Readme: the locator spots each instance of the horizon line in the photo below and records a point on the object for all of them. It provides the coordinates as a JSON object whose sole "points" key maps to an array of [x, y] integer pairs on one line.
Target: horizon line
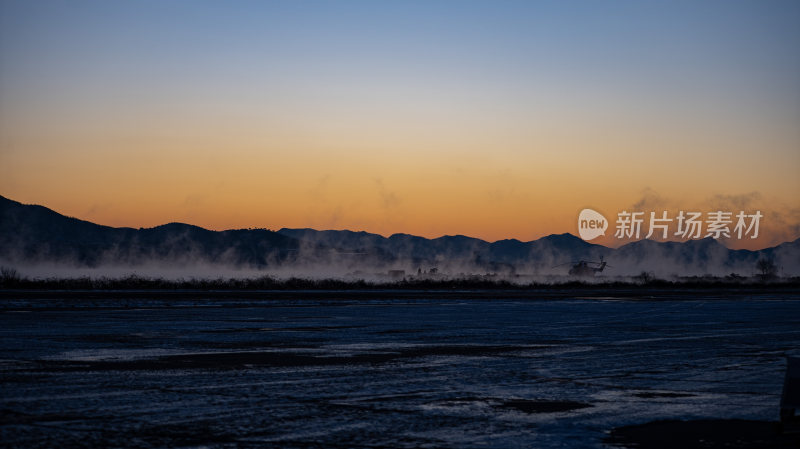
{"points": [[404, 233]]}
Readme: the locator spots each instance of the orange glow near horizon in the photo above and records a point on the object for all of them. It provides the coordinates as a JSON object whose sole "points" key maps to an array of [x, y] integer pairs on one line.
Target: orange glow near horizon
{"points": [[479, 198], [524, 183]]}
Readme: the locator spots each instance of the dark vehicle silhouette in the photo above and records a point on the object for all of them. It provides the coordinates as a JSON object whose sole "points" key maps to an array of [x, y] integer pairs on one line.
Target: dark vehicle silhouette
{"points": [[584, 268]]}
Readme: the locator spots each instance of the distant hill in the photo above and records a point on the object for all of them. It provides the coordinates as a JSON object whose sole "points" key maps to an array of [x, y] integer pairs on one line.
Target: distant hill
{"points": [[35, 234], [457, 253], [31, 234]]}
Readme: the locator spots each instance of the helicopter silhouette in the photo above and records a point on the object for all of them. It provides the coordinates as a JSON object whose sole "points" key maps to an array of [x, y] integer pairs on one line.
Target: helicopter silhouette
{"points": [[585, 268]]}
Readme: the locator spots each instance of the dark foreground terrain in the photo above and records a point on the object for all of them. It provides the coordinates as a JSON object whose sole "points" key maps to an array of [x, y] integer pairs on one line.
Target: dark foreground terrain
{"points": [[547, 369]]}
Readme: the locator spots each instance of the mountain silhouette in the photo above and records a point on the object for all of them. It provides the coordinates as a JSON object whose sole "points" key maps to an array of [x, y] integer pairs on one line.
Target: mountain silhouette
{"points": [[32, 234], [35, 234]]}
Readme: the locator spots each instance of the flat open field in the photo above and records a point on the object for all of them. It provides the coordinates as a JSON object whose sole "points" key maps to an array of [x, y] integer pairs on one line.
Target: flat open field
{"points": [[387, 369]]}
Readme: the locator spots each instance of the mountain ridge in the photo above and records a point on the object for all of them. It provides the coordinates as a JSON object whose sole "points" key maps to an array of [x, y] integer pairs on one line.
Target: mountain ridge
{"points": [[31, 234]]}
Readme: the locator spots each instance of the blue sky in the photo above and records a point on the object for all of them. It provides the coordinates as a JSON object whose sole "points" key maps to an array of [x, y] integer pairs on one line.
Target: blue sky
{"points": [[219, 99]]}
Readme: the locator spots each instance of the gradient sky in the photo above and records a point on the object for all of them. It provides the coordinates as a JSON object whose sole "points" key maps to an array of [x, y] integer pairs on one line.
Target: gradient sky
{"points": [[495, 119]]}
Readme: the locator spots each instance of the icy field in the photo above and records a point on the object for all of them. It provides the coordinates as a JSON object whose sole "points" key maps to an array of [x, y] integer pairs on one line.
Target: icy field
{"points": [[420, 372]]}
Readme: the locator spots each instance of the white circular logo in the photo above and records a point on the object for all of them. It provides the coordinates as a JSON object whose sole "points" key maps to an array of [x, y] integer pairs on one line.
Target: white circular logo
{"points": [[591, 224]]}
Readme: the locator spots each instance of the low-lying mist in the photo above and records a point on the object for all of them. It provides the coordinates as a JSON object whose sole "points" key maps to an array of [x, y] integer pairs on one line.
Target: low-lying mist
{"points": [[445, 274], [40, 244]]}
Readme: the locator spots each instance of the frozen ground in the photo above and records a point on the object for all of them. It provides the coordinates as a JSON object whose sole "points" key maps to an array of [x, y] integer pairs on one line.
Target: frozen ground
{"points": [[419, 372]]}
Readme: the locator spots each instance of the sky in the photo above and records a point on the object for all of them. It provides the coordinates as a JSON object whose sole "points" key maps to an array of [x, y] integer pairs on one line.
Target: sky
{"points": [[493, 119]]}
